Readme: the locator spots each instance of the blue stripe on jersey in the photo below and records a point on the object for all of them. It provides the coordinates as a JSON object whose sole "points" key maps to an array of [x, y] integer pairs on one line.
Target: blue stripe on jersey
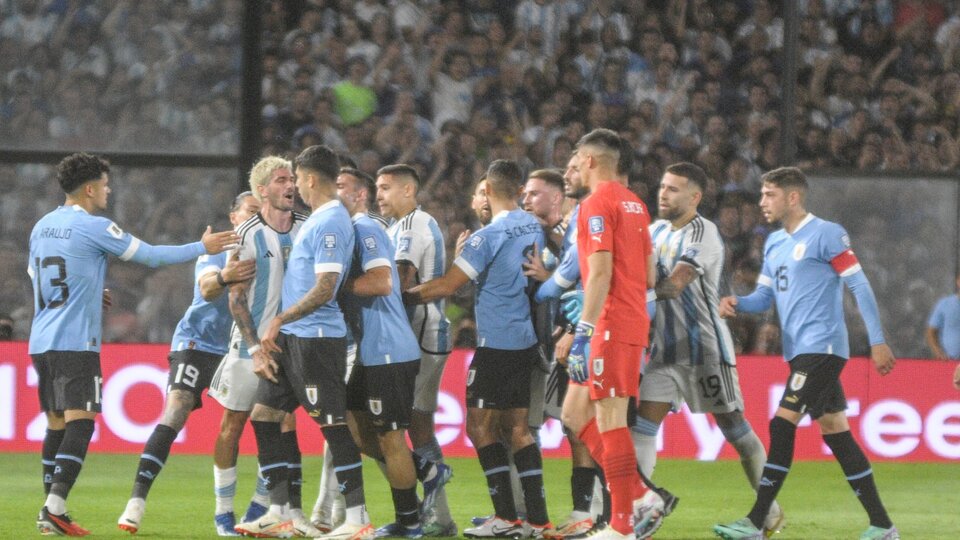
{"points": [[262, 287], [693, 330], [438, 262]]}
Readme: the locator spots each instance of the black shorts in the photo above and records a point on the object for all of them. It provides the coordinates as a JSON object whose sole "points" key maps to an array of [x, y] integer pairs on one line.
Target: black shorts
{"points": [[68, 380], [814, 385], [192, 370], [386, 392], [500, 379], [310, 374]]}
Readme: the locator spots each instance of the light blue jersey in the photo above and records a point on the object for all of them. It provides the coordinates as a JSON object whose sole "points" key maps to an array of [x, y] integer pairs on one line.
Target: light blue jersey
{"points": [[803, 271], [68, 262], [379, 321], [206, 325], [946, 319], [324, 244], [493, 258], [567, 272]]}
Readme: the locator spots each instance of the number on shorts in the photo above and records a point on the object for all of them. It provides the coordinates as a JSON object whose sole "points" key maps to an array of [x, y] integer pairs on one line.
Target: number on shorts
{"points": [[97, 384], [709, 386], [187, 374]]}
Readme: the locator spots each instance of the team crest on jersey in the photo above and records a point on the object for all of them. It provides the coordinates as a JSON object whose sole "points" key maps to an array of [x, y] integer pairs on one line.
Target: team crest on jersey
{"points": [[115, 231], [476, 242], [370, 243], [311, 394], [376, 406], [598, 366], [797, 381], [690, 253], [470, 376], [329, 241], [596, 224], [286, 252], [798, 251], [404, 246]]}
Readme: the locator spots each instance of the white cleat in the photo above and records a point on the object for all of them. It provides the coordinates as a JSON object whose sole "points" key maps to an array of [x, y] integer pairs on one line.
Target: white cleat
{"points": [[351, 531], [496, 528], [302, 527], [132, 515], [775, 522], [268, 525], [647, 514], [609, 533], [327, 519]]}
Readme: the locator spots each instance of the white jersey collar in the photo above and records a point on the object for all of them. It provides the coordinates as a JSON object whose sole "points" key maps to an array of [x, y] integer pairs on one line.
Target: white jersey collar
{"points": [[805, 220], [501, 215]]}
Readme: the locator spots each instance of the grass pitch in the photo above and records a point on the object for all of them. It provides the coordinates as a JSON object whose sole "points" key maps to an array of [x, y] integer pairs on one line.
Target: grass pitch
{"points": [[922, 498]]}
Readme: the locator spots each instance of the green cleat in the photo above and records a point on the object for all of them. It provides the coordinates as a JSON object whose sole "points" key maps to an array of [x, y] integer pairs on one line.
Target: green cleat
{"points": [[877, 533], [742, 529]]}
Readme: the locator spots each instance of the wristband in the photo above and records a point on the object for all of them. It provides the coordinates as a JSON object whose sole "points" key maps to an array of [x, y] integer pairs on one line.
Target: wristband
{"points": [[253, 350], [220, 280]]}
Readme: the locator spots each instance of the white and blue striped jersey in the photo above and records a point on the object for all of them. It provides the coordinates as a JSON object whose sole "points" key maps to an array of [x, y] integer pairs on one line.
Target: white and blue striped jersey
{"points": [[688, 329], [271, 249], [418, 241], [68, 263], [493, 257], [323, 245], [804, 271], [380, 322], [206, 325]]}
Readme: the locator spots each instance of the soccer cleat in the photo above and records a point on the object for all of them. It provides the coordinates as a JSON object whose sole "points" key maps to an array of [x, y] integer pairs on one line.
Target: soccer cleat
{"points": [[647, 514], [432, 486], [741, 529], [572, 527], [878, 533], [477, 521], [775, 522], [608, 533], [351, 531], [669, 500], [536, 531], [397, 530], [435, 529], [58, 524], [132, 515], [225, 523], [496, 528], [327, 520], [301, 525], [254, 512], [268, 525]]}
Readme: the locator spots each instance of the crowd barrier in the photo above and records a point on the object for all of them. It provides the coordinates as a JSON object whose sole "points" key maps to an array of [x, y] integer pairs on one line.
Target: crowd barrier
{"points": [[911, 415]]}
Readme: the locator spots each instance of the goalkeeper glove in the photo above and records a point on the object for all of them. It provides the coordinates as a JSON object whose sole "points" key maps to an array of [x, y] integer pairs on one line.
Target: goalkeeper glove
{"points": [[580, 352], [572, 305]]}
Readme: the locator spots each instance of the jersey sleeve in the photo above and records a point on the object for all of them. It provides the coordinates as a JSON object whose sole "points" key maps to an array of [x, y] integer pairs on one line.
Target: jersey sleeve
{"points": [[937, 317], [410, 248], [568, 271], [207, 264], [476, 255], [330, 249], [598, 222], [703, 251], [373, 249], [109, 237], [835, 248]]}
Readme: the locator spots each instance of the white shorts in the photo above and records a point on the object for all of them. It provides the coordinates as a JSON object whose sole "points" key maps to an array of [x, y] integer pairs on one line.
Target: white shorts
{"points": [[234, 384], [709, 388], [427, 385]]}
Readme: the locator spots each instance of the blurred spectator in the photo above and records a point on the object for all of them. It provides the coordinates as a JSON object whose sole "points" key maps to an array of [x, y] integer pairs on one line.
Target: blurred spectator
{"points": [[943, 327], [6, 327]]}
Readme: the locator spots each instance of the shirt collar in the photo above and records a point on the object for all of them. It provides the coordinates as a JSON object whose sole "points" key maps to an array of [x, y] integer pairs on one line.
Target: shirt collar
{"points": [[501, 215], [805, 220], [326, 206]]}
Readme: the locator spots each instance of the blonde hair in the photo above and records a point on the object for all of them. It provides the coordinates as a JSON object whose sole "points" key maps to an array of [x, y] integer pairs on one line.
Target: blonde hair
{"points": [[262, 170]]}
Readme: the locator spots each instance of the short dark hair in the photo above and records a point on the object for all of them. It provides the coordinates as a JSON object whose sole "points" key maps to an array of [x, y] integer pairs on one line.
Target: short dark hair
{"points": [[625, 163], [77, 169], [691, 171], [603, 138], [401, 169], [786, 178], [320, 159], [504, 178], [552, 177], [365, 181]]}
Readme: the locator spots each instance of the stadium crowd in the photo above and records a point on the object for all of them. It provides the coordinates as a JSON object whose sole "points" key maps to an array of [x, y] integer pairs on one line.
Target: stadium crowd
{"points": [[449, 86]]}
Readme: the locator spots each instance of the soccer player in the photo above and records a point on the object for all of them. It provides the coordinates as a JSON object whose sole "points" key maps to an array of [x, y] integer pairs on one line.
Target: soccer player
{"points": [[309, 339], [943, 327], [613, 247], [692, 358], [421, 256], [805, 264], [199, 342], [381, 386], [265, 238], [498, 381], [68, 261]]}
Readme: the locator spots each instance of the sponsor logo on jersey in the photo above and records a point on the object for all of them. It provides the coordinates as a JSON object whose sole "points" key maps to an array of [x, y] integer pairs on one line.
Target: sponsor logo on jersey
{"points": [[798, 380], [376, 406], [404, 244], [690, 253], [598, 366], [329, 241], [268, 254], [370, 243], [312, 394], [114, 230], [798, 251], [475, 241]]}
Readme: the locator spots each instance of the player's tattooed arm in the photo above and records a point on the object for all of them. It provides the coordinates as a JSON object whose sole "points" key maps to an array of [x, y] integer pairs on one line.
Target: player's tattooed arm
{"points": [[670, 287], [238, 305], [321, 293]]}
